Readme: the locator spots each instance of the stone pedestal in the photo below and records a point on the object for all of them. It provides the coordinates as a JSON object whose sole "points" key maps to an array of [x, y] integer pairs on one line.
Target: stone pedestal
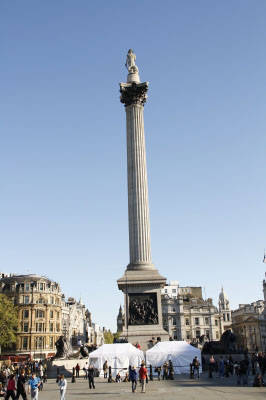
{"points": [[141, 282]]}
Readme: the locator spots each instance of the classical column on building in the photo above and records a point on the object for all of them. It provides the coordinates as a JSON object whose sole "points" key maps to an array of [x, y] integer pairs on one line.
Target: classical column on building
{"points": [[141, 282]]}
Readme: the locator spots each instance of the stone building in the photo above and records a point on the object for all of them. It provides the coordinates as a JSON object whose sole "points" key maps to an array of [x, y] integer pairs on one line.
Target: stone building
{"points": [[77, 325], [249, 325], [74, 321], [225, 312], [187, 316], [95, 335], [38, 300]]}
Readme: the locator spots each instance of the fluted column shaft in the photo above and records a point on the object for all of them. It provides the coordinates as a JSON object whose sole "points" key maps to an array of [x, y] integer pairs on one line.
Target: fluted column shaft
{"points": [[138, 206]]}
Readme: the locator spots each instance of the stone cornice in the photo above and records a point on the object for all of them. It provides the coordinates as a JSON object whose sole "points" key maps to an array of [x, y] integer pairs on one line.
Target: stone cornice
{"points": [[133, 93]]}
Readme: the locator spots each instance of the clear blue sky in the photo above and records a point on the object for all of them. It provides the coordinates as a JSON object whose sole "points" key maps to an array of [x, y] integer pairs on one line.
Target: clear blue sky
{"points": [[63, 193]]}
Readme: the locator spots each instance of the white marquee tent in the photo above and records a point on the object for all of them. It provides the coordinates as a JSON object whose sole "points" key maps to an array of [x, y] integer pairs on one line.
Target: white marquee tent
{"points": [[118, 355], [180, 353]]}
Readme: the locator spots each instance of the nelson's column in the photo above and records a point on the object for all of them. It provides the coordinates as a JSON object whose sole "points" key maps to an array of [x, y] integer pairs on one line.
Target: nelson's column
{"points": [[141, 282]]}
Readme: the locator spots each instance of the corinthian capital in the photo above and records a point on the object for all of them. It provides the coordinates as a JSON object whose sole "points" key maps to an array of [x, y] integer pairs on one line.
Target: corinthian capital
{"points": [[133, 93]]}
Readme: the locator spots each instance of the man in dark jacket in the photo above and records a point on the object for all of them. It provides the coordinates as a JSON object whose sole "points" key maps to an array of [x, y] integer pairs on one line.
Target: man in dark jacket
{"points": [[21, 391], [91, 376]]}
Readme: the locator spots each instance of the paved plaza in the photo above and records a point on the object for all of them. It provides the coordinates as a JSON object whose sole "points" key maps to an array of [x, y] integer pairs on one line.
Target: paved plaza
{"points": [[182, 388]]}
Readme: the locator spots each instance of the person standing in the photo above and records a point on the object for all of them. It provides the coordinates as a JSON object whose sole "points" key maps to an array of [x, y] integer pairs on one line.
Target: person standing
{"points": [[91, 377], [133, 378], [143, 374], [165, 371], [195, 365], [211, 366], [86, 370], [105, 369], [221, 367], [158, 370], [21, 390], [11, 387], [77, 370], [34, 384], [62, 387]]}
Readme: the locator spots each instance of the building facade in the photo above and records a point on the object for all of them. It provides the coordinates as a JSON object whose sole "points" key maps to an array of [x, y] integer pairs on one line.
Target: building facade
{"points": [[38, 300], [187, 316], [249, 326], [77, 325], [74, 321], [225, 312]]}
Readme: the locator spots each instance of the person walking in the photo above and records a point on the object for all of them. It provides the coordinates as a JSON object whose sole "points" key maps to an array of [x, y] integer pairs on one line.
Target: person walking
{"points": [[62, 387], [143, 374], [91, 377], [133, 377], [11, 387], [21, 390], [33, 387]]}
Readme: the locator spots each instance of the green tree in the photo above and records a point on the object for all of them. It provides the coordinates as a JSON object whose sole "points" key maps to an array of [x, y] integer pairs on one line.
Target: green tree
{"points": [[8, 321], [108, 337]]}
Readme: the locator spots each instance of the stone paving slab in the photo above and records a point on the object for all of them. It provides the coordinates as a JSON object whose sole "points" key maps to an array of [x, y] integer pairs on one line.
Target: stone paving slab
{"points": [[182, 388]]}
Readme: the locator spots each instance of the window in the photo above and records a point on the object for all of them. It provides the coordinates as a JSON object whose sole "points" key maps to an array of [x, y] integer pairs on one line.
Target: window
{"points": [[26, 314], [174, 321], [206, 321], [51, 314], [39, 342], [52, 300], [26, 299], [25, 343], [207, 333], [51, 327], [58, 327], [26, 327], [40, 301], [216, 322], [173, 309], [228, 317], [224, 317], [173, 290], [51, 342], [27, 288], [39, 314], [165, 290], [217, 335], [39, 327], [41, 286], [197, 334], [187, 321], [196, 321], [188, 335]]}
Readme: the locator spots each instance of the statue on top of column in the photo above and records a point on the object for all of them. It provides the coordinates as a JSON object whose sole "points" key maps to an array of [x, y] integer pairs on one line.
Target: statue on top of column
{"points": [[130, 62]]}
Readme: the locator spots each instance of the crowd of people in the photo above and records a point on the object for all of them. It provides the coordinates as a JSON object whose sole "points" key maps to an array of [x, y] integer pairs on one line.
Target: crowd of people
{"points": [[19, 380], [224, 367], [28, 378]]}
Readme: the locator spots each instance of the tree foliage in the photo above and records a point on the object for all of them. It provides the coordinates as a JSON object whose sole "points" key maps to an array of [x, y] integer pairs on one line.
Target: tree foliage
{"points": [[8, 321], [108, 337]]}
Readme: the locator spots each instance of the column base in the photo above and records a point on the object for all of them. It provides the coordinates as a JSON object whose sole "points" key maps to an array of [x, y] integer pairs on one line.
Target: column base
{"points": [[145, 335]]}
